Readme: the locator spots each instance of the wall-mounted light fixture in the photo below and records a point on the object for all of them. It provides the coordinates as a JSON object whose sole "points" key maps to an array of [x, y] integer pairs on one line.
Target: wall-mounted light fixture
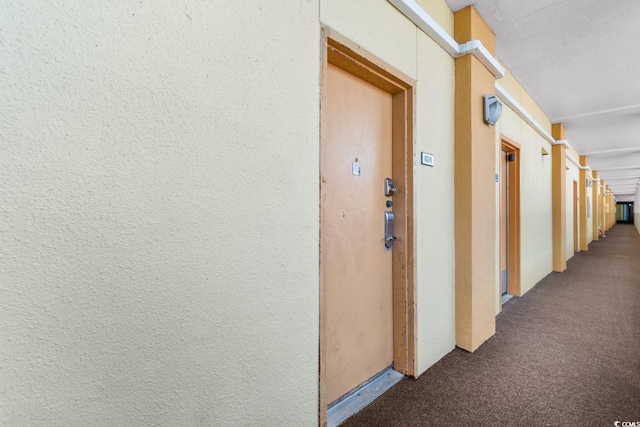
{"points": [[492, 109], [589, 182]]}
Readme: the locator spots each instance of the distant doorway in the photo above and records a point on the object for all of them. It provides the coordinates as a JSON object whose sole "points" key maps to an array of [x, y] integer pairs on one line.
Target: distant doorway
{"points": [[624, 212]]}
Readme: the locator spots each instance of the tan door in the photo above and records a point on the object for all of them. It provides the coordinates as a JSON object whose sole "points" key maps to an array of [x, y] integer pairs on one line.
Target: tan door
{"points": [[504, 223], [510, 218], [356, 270]]}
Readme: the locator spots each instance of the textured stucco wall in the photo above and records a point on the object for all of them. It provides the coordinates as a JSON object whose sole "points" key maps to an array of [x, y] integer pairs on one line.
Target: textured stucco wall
{"points": [[636, 210], [519, 93], [536, 249], [159, 213], [573, 174], [409, 50], [434, 192], [396, 44], [589, 209], [440, 12]]}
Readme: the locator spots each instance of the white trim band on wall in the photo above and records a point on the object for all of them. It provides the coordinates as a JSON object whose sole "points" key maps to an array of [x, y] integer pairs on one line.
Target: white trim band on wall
{"points": [[528, 118], [524, 114], [477, 49], [430, 27]]}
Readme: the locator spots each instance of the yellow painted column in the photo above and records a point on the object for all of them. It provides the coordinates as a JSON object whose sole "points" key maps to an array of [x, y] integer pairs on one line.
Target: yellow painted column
{"points": [[475, 189], [584, 236], [558, 199], [594, 205]]}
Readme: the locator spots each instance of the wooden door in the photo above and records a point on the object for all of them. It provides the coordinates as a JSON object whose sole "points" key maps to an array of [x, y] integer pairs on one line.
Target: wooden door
{"points": [[504, 223], [509, 217], [576, 246], [356, 270]]}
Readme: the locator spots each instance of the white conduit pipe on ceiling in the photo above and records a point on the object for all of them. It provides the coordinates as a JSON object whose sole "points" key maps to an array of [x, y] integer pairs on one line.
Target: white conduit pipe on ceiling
{"points": [[430, 27]]}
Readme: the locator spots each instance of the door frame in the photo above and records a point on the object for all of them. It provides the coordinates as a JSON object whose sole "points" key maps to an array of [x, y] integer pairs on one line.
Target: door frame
{"points": [[513, 209], [576, 218], [337, 50], [503, 231]]}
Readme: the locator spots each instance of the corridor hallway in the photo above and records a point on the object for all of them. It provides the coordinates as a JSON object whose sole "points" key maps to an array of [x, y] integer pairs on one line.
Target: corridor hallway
{"points": [[566, 353]]}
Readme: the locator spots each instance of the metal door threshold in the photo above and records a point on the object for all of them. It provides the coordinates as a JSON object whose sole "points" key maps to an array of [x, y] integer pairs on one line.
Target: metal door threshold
{"points": [[361, 397], [506, 297]]}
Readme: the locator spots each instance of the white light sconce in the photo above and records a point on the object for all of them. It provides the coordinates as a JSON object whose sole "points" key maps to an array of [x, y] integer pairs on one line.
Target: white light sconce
{"points": [[492, 109], [543, 151], [589, 182]]}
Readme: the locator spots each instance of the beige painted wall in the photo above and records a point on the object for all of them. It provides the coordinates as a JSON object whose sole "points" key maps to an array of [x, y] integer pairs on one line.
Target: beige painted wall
{"points": [[409, 50], [159, 215], [636, 210], [590, 209], [535, 196], [573, 174], [516, 90], [440, 12], [161, 244], [435, 203], [396, 44], [598, 217], [160, 239]]}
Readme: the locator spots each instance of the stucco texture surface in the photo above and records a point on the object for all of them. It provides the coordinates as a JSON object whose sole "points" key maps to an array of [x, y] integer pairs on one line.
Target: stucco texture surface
{"points": [[158, 213], [535, 198], [435, 207], [573, 175]]}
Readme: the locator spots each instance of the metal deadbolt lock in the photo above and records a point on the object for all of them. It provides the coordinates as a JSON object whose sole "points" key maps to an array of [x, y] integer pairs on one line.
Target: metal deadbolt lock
{"points": [[389, 187]]}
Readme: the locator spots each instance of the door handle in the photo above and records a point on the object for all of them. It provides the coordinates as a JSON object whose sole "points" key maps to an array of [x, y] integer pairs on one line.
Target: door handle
{"points": [[389, 238]]}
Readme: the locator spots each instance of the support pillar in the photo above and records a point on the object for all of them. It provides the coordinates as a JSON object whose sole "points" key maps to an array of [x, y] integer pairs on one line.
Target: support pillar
{"points": [[475, 189], [559, 199]]}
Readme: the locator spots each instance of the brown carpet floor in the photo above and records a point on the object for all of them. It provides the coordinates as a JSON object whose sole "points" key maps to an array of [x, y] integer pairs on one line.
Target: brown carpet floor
{"points": [[565, 354]]}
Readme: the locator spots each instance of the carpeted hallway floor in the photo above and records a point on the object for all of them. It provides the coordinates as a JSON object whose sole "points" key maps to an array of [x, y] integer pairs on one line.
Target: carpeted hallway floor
{"points": [[565, 354]]}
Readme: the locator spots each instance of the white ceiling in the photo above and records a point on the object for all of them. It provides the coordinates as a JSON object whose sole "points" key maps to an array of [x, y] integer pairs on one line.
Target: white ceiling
{"points": [[579, 60]]}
